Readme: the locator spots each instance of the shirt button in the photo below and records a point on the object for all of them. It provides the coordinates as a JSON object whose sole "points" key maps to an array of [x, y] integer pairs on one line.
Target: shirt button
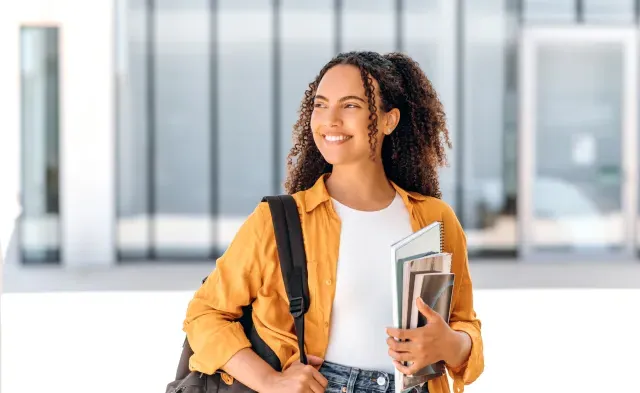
{"points": [[328, 282], [381, 381], [326, 324]]}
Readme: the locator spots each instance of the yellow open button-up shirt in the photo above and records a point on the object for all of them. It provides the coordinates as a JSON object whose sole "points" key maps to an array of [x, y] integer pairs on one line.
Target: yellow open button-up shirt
{"points": [[249, 272]]}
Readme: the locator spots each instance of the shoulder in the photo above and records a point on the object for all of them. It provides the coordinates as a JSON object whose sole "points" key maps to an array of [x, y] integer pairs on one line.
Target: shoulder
{"points": [[263, 219], [264, 212], [435, 209]]}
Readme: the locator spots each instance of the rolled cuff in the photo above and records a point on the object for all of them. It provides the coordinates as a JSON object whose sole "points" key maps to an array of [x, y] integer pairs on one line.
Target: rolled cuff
{"points": [[471, 369], [218, 348]]}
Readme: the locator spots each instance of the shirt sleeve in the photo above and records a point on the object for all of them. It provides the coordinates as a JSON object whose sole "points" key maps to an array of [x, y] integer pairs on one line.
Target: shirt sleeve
{"points": [[463, 316], [211, 323]]}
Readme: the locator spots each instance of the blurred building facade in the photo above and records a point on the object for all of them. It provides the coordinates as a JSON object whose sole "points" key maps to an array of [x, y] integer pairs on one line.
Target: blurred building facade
{"points": [[148, 130]]}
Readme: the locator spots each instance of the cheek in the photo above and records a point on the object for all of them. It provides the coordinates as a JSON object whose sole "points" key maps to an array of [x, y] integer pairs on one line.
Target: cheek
{"points": [[313, 120], [358, 123], [316, 120], [314, 123]]}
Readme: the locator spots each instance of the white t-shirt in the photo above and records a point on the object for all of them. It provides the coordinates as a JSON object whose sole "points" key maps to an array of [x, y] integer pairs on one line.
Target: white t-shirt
{"points": [[362, 308]]}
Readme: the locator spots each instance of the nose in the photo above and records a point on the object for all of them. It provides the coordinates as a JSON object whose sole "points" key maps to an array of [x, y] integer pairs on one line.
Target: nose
{"points": [[333, 118]]}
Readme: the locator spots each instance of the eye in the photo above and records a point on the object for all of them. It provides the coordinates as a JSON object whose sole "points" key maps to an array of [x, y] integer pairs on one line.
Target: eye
{"points": [[351, 106], [318, 105]]}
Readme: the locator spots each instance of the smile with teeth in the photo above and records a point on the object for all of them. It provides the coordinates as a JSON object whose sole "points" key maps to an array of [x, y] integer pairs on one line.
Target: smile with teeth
{"points": [[337, 138]]}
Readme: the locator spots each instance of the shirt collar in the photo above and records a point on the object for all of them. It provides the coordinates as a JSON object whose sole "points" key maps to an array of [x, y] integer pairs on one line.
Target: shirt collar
{"points": [[318, 194]]}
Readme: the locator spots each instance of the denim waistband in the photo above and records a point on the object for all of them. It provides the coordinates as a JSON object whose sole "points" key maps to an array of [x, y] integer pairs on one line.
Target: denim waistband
{"points": [[352, 379], [346, 379]]}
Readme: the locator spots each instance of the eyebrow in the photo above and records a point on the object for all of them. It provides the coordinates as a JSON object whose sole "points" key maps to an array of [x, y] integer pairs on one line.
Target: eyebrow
{"points": [[345, 98]]}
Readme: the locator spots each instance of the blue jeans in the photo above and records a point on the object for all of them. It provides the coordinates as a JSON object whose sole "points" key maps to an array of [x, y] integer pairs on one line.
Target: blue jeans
{"points": [[344, 379]]}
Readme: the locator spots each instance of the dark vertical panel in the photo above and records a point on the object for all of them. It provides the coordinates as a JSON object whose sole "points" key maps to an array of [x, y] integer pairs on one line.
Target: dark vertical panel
{"points": [[398, 21], [39, 226], [151, 126], [519, 10], [460, 110], [213, 123], [276, 56], [337, 10], [636, 10], [579, 4]]}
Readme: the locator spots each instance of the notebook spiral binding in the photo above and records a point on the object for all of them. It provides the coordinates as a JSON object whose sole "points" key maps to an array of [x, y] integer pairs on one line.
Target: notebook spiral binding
{"points": [[441, 236]]}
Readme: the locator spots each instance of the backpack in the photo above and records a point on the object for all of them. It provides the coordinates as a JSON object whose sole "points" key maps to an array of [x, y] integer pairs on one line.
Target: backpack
{"points": [[293, 264]]}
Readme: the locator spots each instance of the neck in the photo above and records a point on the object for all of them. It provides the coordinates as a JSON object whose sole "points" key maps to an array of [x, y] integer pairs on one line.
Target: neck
{"points": [[361, 186]]}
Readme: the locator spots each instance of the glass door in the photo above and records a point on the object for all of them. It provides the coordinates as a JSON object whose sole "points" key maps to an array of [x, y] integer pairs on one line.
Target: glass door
{"points": [[577, 149]]}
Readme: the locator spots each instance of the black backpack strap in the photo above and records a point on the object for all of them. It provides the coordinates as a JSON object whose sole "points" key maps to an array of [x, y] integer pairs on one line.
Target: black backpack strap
{"points": [[293, 260]]}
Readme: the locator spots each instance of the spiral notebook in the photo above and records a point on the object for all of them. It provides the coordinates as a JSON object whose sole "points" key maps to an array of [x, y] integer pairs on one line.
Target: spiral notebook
{"points": [[420, 268]]}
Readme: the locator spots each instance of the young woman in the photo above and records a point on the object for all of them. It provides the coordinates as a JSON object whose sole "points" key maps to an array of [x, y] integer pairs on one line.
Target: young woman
{"points": [[364, 172]]}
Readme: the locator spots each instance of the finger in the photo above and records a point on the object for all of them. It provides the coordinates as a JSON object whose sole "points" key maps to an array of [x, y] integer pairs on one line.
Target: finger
{"points": [[401, 334], [409, 370], [402, 368], [317, 375], [315, 361], [315, 385], [426, 310], [399, 346], [296, 365], [401, 356]]}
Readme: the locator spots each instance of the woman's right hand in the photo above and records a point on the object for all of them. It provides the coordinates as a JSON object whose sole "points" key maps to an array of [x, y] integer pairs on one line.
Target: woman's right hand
{"points": [[298, 378]]}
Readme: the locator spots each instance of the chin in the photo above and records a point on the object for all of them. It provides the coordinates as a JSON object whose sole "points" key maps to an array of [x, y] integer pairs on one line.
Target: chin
{"points": [[340, 159], [341, 155], [333, 160]]}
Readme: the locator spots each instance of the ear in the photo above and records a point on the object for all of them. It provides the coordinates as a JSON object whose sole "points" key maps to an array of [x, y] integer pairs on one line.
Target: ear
{"points": [[392, 118]]}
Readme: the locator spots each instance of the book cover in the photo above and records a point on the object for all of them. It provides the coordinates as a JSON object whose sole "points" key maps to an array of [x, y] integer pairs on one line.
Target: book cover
{"points": [[429, 263], [436, 290]]}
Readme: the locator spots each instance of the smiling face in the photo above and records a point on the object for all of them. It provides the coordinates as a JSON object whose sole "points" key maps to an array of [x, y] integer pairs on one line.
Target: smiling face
{"points": [[340, 117]]}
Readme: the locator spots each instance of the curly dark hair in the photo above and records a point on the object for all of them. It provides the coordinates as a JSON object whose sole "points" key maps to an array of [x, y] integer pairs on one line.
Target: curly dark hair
{"points": [[411, 155]]}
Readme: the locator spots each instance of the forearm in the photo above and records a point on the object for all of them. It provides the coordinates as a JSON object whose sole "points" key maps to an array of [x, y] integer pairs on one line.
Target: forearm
{"points": [[460, 348], [248, 368]]}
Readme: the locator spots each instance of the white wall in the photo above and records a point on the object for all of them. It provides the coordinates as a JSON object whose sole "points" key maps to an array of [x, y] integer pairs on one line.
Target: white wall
{"points": [[87, 122], [542, 340]]}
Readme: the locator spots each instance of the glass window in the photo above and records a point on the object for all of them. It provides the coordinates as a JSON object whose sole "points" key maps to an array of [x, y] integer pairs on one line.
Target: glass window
{"points": [[578, 176], [490, 127], [244, 159], [545, 11], [609, 11], [165, 129], [40, 123], [182, 130], [132, 87], [368, 25], [304, 52], [429, 36]]}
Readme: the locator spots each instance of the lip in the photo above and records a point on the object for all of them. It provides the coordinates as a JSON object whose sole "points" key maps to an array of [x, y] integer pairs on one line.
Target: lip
{"points": [[333, 133]]}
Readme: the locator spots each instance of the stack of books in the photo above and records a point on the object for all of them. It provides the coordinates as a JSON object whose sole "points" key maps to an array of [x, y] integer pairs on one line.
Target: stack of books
{"points": [[420, 268]]}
